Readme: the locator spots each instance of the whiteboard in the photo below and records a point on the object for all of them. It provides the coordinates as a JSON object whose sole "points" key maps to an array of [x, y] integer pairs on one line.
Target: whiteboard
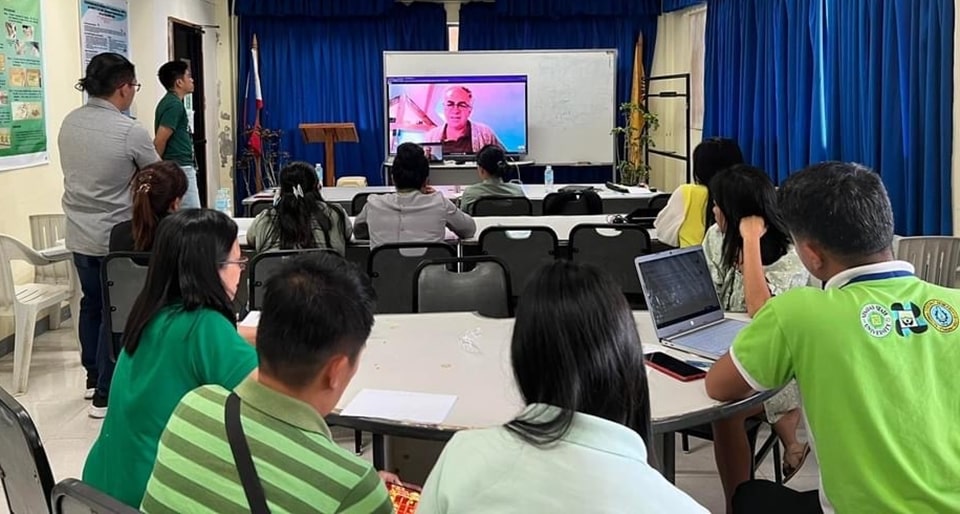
{"points": [[571, 95]]}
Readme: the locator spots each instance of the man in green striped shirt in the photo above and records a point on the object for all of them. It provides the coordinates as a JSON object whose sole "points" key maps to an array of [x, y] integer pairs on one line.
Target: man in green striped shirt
{"points": [[317, 315]]}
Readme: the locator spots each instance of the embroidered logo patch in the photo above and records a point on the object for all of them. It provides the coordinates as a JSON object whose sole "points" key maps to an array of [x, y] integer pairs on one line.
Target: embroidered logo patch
{"points": [[909, 319], [876, 320], [941, 315]]}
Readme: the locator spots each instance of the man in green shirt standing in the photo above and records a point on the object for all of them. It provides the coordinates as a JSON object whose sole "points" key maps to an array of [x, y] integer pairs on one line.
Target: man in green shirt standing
{"points": [[875, 355], [173, 139], [265, 446]]}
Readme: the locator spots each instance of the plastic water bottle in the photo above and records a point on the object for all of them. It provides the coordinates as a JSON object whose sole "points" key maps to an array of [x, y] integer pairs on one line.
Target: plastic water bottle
{"points": [[223, 201], [548, 178], [319, 169]]}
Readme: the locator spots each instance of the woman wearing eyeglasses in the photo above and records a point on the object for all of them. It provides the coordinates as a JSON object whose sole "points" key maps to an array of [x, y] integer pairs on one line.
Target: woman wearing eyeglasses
{"points": [[181, 334]]}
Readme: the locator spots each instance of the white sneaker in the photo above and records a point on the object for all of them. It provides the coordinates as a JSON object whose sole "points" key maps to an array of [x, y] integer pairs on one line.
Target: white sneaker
{"points": [[97, 412], [88, 394]]}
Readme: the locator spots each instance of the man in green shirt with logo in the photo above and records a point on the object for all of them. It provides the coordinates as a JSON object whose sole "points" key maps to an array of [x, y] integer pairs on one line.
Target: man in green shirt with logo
{"points": [[265, 446], [173, 139], [875, 354]]}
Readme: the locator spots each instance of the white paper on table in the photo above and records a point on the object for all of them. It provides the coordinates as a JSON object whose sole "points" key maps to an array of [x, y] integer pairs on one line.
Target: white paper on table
{"points": [[400, 406], [252, 320]]}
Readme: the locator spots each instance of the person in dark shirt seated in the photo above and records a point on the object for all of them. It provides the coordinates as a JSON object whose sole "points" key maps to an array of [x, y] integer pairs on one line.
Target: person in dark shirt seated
{"points": [[157, 190]]}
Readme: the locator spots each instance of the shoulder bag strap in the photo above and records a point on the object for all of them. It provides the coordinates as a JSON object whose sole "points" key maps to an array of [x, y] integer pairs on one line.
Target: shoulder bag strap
{"points": [[241, 456]]}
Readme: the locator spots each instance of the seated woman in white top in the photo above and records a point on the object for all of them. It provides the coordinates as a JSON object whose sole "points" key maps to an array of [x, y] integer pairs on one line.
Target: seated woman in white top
{"points": [[752, 259], [580, 445], [491, 166], [416, 213]]}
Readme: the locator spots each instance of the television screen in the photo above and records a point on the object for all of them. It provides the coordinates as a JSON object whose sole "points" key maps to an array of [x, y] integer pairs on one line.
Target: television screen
{"points": [[462, 113]]}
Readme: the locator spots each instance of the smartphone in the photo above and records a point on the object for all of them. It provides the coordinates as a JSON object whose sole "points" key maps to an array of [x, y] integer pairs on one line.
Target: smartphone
{"points": [[674, 367]]}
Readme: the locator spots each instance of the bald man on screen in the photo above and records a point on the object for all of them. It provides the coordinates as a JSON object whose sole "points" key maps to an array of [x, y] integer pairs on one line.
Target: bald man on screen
{"points": [[459, 134]]}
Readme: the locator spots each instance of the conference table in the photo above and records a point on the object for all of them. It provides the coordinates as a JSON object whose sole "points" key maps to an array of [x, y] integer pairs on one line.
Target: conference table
{"points": [[613, 201], [467, 355]]}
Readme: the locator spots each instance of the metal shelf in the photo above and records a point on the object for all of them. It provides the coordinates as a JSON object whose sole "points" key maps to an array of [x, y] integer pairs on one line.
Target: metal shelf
{"points": [[685, 95]]}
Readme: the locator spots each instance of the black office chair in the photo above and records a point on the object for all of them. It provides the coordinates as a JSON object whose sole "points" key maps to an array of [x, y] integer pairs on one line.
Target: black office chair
{"points": [[359, 201], [72, 496], [771, 443], [259, 206], [392, 268], [502, 206], [122, 275], [572, 203], [613, 248], [522, 249], [482, 284], [26, 476], [265, 265], [652, 209]]}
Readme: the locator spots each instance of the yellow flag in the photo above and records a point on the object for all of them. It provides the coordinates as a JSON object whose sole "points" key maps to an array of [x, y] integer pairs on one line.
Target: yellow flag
{"points": [[635, 155]]}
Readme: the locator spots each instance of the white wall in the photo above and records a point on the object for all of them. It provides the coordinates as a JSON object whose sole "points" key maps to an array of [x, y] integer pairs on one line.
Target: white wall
{"points": [[674, 54]]}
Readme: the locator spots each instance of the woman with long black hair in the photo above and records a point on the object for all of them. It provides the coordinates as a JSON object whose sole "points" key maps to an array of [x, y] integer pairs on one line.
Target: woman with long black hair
{"points": [[181, 334], [580, 445], [300, 218]]}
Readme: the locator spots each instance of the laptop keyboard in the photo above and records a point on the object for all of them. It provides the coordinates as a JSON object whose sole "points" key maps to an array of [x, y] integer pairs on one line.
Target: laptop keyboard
{"points": [[713, 340]]}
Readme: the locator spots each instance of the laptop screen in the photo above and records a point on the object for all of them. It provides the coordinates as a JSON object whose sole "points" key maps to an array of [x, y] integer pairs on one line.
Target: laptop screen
{"points": [[433, 151], [678, 286]]}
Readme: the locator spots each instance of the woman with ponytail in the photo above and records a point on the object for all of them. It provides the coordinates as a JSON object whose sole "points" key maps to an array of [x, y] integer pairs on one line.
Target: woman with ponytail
{"points": [[300, 218], [157, 191], [491, 166]]}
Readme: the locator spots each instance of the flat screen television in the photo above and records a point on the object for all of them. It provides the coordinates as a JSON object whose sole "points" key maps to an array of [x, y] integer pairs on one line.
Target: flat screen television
{"points": [[461, 113]]}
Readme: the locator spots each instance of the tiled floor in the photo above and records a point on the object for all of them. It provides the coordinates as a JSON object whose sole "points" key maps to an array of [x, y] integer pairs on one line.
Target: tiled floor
{"points": [[55, 401]]}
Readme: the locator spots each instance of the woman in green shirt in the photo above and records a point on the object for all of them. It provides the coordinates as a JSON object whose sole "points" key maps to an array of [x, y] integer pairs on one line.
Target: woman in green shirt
{"points": [[491, 166], [181, 334], [751, 259]]}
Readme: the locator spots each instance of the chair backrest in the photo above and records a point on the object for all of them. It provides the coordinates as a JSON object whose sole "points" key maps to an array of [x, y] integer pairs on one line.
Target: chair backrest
{"points": [[652, 209], [613, 249], [359, 202], [352, 182], [47, 230], [392, 268], [123, 275], [265, 265], [259, 206], [502, 206], [485, 288], [572, 203], [72, 496], [935, 258], [522, 249], [26, 476]]}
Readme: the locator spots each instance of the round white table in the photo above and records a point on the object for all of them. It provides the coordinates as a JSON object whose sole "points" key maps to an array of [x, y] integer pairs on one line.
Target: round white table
{"points": [[425, 353]]}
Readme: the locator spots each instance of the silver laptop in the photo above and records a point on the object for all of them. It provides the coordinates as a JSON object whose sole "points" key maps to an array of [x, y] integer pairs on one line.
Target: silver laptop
{"points": [[683, 302]]}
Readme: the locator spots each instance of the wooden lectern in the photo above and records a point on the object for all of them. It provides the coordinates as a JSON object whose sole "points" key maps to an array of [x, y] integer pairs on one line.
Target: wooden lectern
{"points": [[329, 134]]}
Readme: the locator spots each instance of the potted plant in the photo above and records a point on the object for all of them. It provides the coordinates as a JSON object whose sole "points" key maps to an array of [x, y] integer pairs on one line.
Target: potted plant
{"points": [[634, 137]]}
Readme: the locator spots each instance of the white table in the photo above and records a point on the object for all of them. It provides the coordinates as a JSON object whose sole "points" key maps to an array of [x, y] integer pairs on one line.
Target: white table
{"points": [[424, 353]]}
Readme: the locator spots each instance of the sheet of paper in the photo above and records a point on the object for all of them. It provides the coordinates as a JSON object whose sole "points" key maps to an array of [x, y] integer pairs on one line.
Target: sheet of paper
{"points": [[252, 319], [401, 406]]}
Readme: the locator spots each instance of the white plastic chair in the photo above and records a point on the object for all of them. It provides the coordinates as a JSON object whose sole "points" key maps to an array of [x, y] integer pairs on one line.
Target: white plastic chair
{"points": [[26, 301], [352, 182], [47, 231], [936, 258]]}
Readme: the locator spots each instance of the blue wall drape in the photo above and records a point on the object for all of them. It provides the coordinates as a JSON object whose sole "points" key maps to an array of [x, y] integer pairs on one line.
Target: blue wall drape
{"points": [[801, 81], [677, 5], [576, 8], [483, 27], [319, 8], [331, 70]]}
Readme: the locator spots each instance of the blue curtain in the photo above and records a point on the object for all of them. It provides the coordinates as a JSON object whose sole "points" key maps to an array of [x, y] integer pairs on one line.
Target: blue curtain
{"points": [[318, 8], [890, 99], [331, 70], [576, 8], [677, 5], [801, 81], [483, 28]]}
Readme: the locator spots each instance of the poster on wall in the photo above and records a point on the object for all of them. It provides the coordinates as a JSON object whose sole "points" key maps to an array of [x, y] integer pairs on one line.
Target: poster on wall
{"points": [[104, 27], [23, 134]]}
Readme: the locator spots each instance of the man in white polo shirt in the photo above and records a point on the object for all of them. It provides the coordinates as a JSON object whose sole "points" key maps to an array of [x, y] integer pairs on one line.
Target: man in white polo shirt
{"points": [[875, 353]]}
